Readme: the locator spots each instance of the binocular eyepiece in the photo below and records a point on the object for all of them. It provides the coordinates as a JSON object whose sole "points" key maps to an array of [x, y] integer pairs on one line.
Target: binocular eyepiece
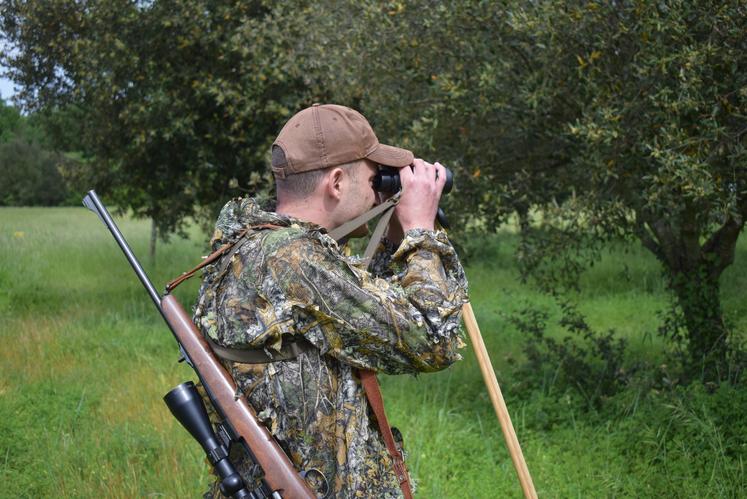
{"points": [[387, 181]]}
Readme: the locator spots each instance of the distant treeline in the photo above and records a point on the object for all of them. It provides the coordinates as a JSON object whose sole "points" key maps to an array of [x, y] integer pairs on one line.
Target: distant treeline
{"points": [[32, 168]]}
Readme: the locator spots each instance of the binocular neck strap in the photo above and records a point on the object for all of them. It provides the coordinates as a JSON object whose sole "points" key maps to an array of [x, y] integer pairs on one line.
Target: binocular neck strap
{"points": [[385, 209], [368, 378]]}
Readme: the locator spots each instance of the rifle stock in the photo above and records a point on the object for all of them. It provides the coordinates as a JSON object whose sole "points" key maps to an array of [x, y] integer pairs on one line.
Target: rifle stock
{"points": [[279, 473], [284, 477]]}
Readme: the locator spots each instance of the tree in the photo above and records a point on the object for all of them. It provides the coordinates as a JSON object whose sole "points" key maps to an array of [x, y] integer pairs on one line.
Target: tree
{"points": [[617, 119], [455, 83], [10, 121], [660, 140], [176, 100], [614, 119], [30, 175], [30, 170]]}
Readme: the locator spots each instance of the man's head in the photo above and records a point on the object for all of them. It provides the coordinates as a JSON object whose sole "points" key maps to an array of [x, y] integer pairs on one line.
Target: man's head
{"points": [[324, 159]]}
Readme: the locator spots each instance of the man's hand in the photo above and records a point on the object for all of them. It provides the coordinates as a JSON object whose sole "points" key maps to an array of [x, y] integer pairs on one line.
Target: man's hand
{"points": [[421, 191]]}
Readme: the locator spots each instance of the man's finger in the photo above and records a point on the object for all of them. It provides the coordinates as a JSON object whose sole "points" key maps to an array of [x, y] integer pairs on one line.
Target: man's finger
{"points": [[406, 174], [418, 165], [407, 171], [440, 174], [427, 170]]}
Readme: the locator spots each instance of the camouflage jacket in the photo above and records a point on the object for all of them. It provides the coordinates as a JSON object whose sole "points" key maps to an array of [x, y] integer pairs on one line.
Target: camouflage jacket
{"points": [[294, 280]]}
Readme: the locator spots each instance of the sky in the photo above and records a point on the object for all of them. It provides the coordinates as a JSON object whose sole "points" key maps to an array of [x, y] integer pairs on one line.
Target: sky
{"points": [[6, 88]]}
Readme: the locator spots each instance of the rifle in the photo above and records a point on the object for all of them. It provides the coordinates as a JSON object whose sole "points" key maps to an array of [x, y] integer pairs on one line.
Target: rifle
{"points": [[239, 423]]}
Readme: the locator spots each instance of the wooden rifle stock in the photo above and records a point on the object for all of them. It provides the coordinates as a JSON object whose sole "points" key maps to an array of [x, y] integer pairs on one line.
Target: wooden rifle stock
{"points": [[284, 477]]}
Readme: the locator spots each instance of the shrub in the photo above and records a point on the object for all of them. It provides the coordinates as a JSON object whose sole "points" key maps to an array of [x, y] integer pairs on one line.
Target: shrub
{"points": [[586, 361], [30, 175]]}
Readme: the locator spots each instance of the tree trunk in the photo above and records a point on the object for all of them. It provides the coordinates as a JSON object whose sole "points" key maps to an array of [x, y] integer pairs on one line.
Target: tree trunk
{"points": [[707, 334], [694, 270], [522, 211]]}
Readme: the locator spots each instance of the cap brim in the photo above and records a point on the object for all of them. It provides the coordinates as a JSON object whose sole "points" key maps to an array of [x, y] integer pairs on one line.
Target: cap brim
{"points": [[391, 156]]}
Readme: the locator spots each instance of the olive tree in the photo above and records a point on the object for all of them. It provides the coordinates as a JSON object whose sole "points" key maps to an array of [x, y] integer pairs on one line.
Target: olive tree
{"points": [[614, 119], [661, 90]]}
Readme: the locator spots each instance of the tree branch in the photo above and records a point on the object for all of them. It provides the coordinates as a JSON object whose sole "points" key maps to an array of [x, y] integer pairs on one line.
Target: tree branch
{"points": [[643, 233], [723, 242]]}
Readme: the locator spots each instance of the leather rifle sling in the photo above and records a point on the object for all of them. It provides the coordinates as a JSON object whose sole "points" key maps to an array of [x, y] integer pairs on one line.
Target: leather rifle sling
{"points": [[368, 378], [215, 255], [376, 401]]}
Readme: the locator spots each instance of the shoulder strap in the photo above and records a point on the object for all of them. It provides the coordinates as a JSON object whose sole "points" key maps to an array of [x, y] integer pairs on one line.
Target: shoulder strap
{"points": [[376, 401], [368, 378], [348, 227], [385, 209], [290, 350]]}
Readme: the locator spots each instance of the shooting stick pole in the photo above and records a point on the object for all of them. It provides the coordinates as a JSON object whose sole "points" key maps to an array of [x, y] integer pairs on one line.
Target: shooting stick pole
{"points": [[474, 333], [499, 405]]}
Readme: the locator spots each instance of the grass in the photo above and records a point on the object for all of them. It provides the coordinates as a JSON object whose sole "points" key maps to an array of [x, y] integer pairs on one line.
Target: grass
{"points": [[86, 360]]}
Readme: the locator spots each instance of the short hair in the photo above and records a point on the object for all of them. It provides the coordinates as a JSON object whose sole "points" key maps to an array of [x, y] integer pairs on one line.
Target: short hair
{"points": [[301, 185]]}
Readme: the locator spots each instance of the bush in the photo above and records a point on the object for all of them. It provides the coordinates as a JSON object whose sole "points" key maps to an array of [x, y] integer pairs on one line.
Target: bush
{"points": [[30, 175], [689, 433], [585, 361]]}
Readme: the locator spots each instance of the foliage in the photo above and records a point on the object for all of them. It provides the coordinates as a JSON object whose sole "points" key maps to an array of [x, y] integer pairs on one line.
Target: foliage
{"points": [[659, 143], [61, 129], [451, 82], [30, 175], [10, 121], [618, 119], [586, 361], [591, 120], [31, 172], [705, 429], [176, 101], [13, 124]]}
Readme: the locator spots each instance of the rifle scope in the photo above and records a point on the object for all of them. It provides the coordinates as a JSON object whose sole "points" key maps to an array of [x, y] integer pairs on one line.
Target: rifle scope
{"points": [[186, 405]]}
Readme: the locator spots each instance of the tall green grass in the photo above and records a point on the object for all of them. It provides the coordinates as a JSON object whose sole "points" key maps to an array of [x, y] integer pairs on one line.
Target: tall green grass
{"points": [[85, 361]]}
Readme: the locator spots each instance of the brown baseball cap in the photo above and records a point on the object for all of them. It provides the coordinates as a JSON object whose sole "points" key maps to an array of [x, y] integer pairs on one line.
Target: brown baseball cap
{"points": [[327, 135]]}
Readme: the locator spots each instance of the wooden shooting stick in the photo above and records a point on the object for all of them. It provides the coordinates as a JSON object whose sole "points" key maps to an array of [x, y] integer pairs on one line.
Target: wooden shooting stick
{"points": [[499, 405], [387, 208]]}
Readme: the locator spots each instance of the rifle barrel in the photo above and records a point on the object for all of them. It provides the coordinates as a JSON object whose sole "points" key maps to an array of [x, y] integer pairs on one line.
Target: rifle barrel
{"points": [[221, 388], [93, 203]]}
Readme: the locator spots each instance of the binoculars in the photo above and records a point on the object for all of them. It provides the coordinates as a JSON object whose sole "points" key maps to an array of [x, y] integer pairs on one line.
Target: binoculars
{"points": [[387, 181]]}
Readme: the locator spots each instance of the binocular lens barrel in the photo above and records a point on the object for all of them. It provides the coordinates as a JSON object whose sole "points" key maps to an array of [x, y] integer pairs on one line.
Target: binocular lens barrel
{"points": [[387, 181]]}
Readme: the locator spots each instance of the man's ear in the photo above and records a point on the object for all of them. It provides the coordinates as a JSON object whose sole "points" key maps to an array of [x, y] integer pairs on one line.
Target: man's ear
{"points": [[335, 183]]}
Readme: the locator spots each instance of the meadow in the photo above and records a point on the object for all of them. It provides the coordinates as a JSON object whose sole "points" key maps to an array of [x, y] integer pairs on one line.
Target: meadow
{"points": [[86, 360]]}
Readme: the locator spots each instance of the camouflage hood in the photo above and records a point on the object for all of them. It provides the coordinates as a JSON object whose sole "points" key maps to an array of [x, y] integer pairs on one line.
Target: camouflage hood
{"points": [[240, 213], [240, 303]]}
